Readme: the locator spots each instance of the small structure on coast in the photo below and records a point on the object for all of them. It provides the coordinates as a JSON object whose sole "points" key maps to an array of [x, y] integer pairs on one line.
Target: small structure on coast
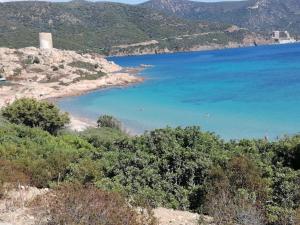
{"points": [[45, 41], [282, 37]]}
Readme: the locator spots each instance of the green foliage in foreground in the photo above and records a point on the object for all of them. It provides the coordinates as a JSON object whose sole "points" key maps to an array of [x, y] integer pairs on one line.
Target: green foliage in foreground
{"points": [[182, 168], [33, 113]]}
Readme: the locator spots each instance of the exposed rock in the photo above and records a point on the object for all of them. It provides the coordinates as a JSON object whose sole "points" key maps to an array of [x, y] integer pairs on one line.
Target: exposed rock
{"points": [[43, 74], [14, 208], [176, 217]]}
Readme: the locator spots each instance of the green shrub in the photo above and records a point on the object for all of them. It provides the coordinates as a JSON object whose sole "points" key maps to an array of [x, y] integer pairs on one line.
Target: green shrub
{"points": [[31, 60], [102, 137], [46, 159], [83, 65], [33, 113], [109, 121], [165, 167], [287, 152]]}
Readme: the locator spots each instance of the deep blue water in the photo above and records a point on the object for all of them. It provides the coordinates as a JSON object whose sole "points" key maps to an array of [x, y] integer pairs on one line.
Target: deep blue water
{"points": [[237, 93]]}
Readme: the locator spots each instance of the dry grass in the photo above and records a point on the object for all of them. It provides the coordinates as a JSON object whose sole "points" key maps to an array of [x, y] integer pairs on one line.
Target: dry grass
{"points": [[75, 204], [11, 175]]}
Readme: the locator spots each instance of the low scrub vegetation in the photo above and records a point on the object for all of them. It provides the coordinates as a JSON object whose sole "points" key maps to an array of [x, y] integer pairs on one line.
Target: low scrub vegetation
{"points": [[237, 182], [75, 204], [108, 121], [11, 176], [83, 65]]}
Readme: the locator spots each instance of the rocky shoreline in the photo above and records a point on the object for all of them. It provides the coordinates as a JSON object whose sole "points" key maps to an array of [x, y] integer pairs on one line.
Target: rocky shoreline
{"points": [[247, 42], [48, 74]]}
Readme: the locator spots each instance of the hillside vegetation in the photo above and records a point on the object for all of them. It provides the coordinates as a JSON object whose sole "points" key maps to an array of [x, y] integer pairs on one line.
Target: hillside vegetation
{"points": [[103, 27], [256, 15], [236, 182]]}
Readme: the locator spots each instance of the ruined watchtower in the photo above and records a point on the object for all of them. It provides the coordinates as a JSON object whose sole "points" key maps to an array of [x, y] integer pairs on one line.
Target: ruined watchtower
{"points": [[46, 41]]}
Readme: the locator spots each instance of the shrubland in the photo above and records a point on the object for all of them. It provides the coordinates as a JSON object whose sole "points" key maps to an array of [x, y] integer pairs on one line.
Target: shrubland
{"points": [[237, 182], [73, 204]]}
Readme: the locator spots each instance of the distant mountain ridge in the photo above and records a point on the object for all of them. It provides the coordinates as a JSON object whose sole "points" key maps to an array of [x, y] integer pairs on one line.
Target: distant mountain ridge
{"points": [[256, 15], [111, 28]]}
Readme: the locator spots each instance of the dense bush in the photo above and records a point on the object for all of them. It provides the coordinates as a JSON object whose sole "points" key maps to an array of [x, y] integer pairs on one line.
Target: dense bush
{"points": [[109, 121], [45, 158], [103, 136], [74, 204], [33, 113], [166, 166]]}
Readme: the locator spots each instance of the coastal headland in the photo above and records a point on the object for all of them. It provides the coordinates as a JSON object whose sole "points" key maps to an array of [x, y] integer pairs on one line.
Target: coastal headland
{"points": [[47, 74]]}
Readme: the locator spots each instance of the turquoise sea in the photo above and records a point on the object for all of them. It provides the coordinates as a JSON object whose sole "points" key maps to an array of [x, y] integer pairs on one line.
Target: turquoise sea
{"points": [[237, 93]]}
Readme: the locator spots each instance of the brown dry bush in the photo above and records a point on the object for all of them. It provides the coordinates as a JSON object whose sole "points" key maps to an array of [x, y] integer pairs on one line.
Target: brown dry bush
{"points": [[297, 217], [11, 175], [74, 204], [235, 194]]}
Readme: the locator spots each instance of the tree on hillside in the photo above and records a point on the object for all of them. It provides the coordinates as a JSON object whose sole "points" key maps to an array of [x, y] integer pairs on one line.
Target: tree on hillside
{"points": [[109, 121], [33, 113]]}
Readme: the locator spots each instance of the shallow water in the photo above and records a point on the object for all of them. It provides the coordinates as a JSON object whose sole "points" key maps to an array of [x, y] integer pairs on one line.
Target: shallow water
{"points": [[237, 93]]}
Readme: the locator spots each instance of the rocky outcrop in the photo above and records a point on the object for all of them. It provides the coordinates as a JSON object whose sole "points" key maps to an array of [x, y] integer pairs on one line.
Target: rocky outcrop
{"points": [[14, 208], [176, 217], [42, 74], [33, 64]]}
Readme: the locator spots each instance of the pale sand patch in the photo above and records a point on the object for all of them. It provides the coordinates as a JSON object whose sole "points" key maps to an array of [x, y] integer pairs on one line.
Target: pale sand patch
{"points": [[80, 124], [177, 217]]}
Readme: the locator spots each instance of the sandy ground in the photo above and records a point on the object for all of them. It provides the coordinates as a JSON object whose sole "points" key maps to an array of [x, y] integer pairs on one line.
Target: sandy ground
{"points": [[80, 124], [14, 210], [177, 217]]}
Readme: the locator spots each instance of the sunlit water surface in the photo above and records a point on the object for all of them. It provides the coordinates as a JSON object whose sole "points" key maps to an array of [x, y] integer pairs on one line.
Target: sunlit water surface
{"points": [[237, 93]]}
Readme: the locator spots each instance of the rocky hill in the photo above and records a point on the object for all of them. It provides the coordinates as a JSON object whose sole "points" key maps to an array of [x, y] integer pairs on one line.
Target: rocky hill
{"points": [[110, 28], [256, 15]]}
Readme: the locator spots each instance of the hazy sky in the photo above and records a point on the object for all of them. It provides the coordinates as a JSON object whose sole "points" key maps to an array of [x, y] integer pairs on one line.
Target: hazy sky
{"points": [[127, 1]]}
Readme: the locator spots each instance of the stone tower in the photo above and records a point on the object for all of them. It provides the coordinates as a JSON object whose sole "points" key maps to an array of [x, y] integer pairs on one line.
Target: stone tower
{"points": [[45, 40]]}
